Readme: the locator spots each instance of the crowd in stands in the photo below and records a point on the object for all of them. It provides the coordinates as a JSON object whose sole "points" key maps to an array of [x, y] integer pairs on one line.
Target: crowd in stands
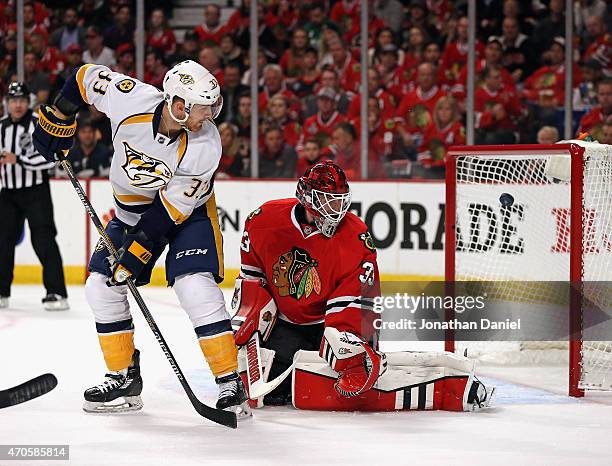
{"points": [[309, 73]]}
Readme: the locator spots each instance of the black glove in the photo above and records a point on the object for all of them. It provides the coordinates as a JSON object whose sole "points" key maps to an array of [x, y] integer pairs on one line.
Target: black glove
{"points": [[134, 254], [53, 133]]}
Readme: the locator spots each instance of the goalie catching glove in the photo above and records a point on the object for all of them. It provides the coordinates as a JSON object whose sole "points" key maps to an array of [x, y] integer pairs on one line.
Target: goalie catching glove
{"points": [[53, 133], [134, 254], [357, 364]]}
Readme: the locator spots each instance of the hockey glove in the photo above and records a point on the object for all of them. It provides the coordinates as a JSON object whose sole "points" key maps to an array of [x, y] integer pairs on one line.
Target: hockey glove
{"points": [[357, 364], [53, 133], [134, 254]]}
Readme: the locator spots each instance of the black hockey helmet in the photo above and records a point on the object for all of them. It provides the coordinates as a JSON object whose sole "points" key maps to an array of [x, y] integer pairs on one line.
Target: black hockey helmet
{"points": [[18, 89]]}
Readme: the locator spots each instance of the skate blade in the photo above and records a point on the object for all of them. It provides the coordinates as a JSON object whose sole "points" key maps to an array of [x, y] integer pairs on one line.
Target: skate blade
{"points": [[242, 411], [129, 403]]}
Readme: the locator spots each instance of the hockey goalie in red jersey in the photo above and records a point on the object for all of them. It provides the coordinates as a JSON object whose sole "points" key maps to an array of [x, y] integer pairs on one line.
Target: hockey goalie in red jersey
{"points": [[308, 281]]}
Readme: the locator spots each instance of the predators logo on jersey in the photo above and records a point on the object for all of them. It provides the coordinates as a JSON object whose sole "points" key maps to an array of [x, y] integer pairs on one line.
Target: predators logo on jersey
{"points": [[143, 170], [126, 85], [295, 274]]}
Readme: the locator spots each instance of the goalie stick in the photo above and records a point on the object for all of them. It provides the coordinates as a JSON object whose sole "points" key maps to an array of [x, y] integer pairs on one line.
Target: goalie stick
{"points": [[226, 418], [257, 387], [27, 391]]}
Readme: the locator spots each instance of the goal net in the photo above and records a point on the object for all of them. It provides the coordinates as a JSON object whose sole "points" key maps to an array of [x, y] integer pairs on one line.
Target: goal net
{"points": [[521, 218]]}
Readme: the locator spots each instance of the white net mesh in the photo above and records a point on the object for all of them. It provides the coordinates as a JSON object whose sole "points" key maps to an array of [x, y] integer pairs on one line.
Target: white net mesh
{"points": [[513, 226]]}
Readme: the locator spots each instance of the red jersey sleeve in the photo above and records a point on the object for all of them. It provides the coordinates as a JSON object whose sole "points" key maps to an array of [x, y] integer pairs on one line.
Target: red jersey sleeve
{"points": [[251, 265], [350, 306]]}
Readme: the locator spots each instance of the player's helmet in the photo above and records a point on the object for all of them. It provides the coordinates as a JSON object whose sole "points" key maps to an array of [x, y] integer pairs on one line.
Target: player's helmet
{"points": [[18, 89], [325, 194], [195, 85]]}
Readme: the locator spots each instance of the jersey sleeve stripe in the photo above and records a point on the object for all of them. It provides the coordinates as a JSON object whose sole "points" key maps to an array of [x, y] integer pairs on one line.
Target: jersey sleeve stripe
{"points": [[80, 77], [140, 118], [173, 212], [211, 211]]}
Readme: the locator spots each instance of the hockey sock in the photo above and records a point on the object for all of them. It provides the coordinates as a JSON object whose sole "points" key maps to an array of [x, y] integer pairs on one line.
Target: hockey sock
{"points": [[217, 343], [117, 343]]}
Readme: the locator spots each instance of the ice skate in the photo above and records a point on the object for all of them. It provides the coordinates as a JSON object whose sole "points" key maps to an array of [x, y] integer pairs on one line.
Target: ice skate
{"points": [[4, 302], [118, 393], [233, 396], [55, 302]]}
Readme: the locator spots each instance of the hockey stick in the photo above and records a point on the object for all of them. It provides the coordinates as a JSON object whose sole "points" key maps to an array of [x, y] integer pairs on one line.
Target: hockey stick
{"points": [[28, 390], [226, 418], [257, 387]]}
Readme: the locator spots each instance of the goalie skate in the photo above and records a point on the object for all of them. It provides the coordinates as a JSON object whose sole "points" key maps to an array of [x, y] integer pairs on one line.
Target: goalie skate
{"points": [[118, 393], [233, 396]]}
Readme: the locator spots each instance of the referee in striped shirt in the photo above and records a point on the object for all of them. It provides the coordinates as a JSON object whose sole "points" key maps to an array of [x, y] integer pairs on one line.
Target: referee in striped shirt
{"points": [[25, 194]]}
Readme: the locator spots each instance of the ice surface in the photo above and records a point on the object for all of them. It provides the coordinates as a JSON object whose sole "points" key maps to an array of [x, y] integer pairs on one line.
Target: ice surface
{"points": [[534, 422]]}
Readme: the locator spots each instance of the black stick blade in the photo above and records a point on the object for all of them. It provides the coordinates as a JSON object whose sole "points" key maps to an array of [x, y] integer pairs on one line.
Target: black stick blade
{"points": [[28, 390]]}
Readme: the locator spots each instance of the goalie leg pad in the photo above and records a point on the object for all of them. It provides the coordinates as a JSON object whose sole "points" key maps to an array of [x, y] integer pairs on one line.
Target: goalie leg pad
{"points": [[399, 388]]}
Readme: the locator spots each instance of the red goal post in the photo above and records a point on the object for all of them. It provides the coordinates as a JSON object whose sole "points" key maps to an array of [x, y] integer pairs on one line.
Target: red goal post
{"points": [[549, 181]]}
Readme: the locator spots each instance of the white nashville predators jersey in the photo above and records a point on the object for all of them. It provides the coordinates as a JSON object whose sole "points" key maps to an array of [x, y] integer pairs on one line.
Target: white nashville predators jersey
{"points": [[146, 162]]}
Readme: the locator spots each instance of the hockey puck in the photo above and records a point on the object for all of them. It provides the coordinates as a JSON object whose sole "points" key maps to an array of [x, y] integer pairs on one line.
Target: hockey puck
{"points": [[506, 199]]}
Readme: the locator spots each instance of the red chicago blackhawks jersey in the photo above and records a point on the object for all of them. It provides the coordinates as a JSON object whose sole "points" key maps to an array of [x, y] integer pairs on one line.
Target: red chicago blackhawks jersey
{"points": [[312, 278]]}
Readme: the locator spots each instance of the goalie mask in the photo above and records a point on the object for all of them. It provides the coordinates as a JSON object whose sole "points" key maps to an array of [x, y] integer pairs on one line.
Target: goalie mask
{"points": [[195, 85], [325, 194]]}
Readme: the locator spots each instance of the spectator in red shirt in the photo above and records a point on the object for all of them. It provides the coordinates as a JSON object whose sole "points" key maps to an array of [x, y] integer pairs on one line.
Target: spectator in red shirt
{"points": [[497, 110], [211, 30], [311, 155], [230, 164], [209, 59], [50, 60], [384, 37], [155, 69], [30, 23], [444, 131], [594, 121], [309, 74], [386, 102], [353, 35], [347, 67], [239, 20], [277, 115], [321, 124], [416, 108], [345, 149], [274, 84], [345, 13], [125, 60], [291, 60], [159, 35], [600, 44], [394, 78], [455, 53], [493, 54], [546, 87]]}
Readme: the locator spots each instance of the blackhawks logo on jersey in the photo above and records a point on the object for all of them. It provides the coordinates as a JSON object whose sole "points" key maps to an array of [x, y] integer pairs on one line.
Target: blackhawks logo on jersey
{"points": [[295, 274], [368, 242], [143, 170]]}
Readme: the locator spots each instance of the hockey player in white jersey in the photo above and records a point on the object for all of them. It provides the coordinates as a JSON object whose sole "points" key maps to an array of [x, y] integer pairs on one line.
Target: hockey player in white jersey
{"points": [[167, 149]]}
